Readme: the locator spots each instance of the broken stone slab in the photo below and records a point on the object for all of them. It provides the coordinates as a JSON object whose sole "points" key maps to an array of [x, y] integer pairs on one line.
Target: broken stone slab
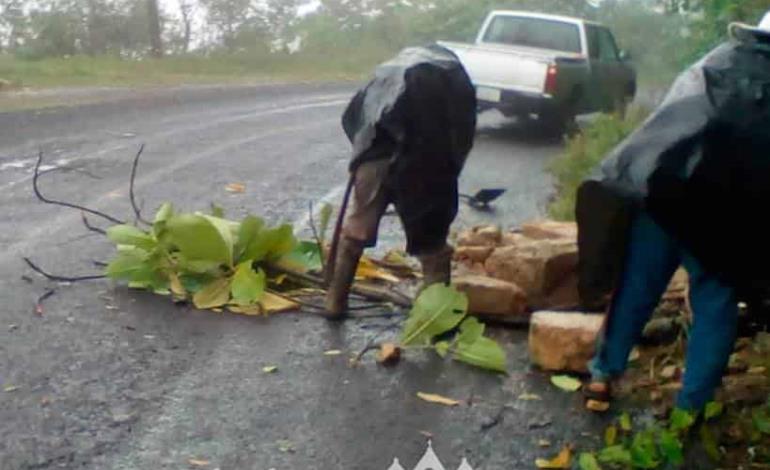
{"points": [[541, 268], [473, 254], [490, 296], [563, 341], [550, 230], [488, 235]]}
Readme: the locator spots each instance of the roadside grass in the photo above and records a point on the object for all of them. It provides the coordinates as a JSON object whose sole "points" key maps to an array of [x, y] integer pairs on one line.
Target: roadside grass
{"points": [[189, 69], [582, 155]]}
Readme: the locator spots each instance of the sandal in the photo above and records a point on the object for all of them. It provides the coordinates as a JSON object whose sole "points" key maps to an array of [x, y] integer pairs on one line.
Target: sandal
{"points": [[598, 395]]}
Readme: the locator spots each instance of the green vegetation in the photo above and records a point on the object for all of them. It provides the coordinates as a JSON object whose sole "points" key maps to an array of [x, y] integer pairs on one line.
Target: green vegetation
{"points": [[189, 69], [662, 444], [110, 42], [583, 153]]}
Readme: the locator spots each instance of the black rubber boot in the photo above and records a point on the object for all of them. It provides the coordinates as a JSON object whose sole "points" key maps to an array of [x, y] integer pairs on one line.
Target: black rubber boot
{"points": [[436, 267], [348, 256]]}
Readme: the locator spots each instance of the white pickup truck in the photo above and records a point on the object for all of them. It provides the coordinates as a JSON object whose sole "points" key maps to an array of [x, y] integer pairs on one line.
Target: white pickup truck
{"points": [[552, 67]]}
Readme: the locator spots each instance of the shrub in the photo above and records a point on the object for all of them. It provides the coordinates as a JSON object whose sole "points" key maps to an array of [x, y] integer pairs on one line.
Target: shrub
{"points": [[583, 154]]}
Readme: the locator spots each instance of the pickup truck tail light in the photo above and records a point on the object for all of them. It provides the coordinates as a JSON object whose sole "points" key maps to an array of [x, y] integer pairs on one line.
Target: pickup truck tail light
{"points": [[550, 79]]}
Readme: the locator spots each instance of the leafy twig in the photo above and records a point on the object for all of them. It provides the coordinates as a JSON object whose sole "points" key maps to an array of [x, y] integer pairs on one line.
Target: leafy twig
{"points": [[44, 199], [137, 210], [53, 277], [368, 292]]}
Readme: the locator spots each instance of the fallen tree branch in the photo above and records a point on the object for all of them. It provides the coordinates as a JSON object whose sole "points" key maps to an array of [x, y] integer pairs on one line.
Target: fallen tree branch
{"points": [[44, 199], [53, 277], [369, 292], [134, 206], [299, 302]]}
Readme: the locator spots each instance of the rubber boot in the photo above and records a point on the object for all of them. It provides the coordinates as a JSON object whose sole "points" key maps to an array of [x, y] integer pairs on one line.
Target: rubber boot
{"points": [[348, 255], [436, 267]]}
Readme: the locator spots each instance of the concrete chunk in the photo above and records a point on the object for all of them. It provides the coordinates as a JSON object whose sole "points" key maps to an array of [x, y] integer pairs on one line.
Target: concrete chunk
{"points": [[492, 296], [561, 341]]}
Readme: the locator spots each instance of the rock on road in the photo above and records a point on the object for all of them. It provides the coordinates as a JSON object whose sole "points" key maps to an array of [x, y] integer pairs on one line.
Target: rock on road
{"points": [[111, 379]]}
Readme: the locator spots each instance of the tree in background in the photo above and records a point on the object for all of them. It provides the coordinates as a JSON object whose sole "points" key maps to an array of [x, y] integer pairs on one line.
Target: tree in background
{"points": [[153, 20], [186, 11], [14, 22]]}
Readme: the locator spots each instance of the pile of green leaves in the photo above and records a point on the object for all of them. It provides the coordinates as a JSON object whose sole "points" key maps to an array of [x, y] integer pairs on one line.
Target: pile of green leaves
{"points": [[439, 320], [213, 261], [656, 446]]}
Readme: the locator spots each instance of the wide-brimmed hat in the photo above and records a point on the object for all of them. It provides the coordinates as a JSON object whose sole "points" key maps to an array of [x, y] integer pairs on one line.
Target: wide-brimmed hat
{"points": [[747, 33]]}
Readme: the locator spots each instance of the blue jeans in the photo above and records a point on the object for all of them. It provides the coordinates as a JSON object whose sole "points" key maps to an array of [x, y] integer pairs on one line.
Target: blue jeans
{"points": [[651, 260]]}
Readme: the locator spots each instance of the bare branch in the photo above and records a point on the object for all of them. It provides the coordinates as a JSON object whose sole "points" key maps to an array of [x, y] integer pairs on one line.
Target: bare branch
{"points": [[90, 227], [299, 302], [53, 277], [137, 210], [62, 203]]}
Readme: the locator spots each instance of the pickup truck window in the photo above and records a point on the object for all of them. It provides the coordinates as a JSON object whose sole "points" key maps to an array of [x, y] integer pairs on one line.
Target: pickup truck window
{"points": [[609, 50], [601, 44], [533, 32]]}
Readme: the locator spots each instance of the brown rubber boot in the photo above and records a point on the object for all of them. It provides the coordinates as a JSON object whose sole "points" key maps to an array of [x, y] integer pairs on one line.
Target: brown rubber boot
{"points": [[349, 254], [436, 267]]}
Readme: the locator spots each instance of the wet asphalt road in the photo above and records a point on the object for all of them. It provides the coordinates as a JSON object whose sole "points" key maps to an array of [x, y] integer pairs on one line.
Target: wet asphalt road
{"points": [[112, 379]]}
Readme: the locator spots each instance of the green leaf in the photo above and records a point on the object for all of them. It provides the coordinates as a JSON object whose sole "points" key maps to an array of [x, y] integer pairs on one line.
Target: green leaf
{"points": [[610, 436], [195, 266], [761, 421], [471, 330], [484, 353], [129, 265], [137, 267], [325, 218], [306, 256], [248, 286], [709, 443], [201, 237], [165, 212], [194, 283], [437, 310], [713, 410], [644, 451], [270, 244], [615, 455], [131, 236], [442, 348], [681, 420], [214, 294], [588, 462], [249, 230], [625, 422], [671, 448], [162, 217], [566, 383]]}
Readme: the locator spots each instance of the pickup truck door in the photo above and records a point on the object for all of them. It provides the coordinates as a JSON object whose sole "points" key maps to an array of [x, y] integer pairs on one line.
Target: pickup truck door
{"points": [[608, 71]]}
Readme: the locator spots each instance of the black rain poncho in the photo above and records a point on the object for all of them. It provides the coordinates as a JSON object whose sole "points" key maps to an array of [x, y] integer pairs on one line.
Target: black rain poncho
{"points": [[420, 107], [700, 165], [419, 112]]}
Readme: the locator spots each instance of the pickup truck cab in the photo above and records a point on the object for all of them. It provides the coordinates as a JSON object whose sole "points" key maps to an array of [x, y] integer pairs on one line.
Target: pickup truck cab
{"points": [[553, 67]]}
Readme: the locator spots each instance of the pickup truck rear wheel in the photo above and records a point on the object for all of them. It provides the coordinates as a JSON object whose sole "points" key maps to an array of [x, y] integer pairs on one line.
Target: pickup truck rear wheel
{"points": [[557, 124]]}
